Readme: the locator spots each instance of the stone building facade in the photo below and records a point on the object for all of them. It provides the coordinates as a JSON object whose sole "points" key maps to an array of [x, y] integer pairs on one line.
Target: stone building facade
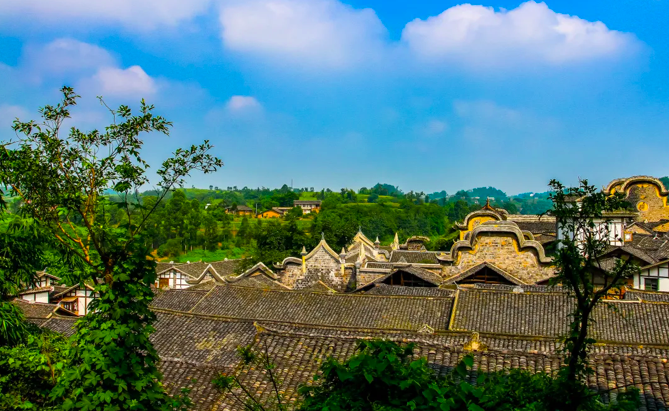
{"points": [[321, 268], [503, 245], [645, 194]]}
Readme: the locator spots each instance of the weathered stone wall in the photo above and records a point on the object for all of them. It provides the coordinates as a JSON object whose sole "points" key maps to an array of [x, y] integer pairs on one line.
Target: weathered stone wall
{"points": [[290, 274], [319, 267], [475, 222], [501, 250], [415, 245], [645, 197]]}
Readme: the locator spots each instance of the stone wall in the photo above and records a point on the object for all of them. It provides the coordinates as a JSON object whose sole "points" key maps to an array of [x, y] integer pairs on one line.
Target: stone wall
{"points": [[321, 266], [501, 250], [475, 222], [645, 197]]}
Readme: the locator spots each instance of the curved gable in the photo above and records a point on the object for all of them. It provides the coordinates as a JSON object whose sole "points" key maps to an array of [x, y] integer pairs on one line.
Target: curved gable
{"points": [[504, 244], [646, 194], [322, 245]]}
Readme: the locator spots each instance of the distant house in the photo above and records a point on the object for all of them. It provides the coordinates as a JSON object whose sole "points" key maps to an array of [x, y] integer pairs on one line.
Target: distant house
{"points": [[308, 206], [76, 299], [653, 277], [241, 210], [44, 286], [275, 212]]}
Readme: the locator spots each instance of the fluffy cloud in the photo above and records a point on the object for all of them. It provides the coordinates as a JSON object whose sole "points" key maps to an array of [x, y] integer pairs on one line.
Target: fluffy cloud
{"points": [[530, 33], [486, 111], [8, 113], [135, 14], [306, 32], [64, 57], [132, 81], [91, 68], [435, 127], [239, 103]]}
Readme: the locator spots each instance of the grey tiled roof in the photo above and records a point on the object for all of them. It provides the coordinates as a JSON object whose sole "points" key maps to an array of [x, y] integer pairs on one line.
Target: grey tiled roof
{"points": [[385, 289], [647, 296], [201, 340], [547, 315], [178, 374], [373, 264], [526, 288], [323, 309], [193, 269], [538, 227], [177, 300], [298, 358], [35, 310], [226, 267], [496, 312], [63, 325], [414, 257]]}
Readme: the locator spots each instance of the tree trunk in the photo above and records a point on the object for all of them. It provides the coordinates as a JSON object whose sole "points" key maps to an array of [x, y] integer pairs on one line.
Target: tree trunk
{"points": [[579, 345]]}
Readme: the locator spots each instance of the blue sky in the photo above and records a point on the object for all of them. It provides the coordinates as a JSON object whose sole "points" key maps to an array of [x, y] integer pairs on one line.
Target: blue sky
{"points": [[427, 95]]}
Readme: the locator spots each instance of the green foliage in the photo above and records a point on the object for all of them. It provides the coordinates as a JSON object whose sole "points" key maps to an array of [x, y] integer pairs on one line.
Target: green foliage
{"points": [[29, 371], [21, 253], [13, 327], [63, 181], [384, 375], [276, 241], [340, 224], [111, 363]]}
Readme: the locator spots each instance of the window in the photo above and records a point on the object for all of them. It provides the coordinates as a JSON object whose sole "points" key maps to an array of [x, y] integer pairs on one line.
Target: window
{"points": [[164, 283], [651, 284]]}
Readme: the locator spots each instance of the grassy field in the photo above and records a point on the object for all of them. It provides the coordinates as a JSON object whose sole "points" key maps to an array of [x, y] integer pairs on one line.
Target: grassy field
{"points": [[208, 256]]}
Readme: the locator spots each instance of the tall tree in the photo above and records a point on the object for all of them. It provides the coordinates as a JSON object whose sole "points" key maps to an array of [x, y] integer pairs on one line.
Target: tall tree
{"points": [[61, 180], [585, 235]]}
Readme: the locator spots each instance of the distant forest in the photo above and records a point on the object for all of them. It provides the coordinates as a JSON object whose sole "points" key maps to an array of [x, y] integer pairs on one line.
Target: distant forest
{"points": [[193, 225]]}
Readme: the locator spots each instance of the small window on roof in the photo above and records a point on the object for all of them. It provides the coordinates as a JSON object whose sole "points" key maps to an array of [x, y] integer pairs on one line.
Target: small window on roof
{"points": [[651, 284]]}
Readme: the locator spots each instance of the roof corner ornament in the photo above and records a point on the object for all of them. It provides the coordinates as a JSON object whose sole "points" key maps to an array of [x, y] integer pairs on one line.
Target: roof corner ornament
{"points": [[304, 251], [259, 328], [475, 344], [322, 236]]}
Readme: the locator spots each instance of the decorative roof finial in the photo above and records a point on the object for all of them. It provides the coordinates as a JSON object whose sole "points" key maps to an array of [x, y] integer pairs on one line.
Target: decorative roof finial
{"points": [[322, 236], [343, 252], [360, 228], [377, 242], [304, 251], [487, 205]]}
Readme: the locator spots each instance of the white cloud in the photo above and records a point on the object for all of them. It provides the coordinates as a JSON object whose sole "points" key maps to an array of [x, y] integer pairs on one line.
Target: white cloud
{"points": [[530, 33], [239, 103], [136, 14], [132, 81], [8, 113], [486, 111], [91, 68], [434, 127], [322, 33], [64, 57]]}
